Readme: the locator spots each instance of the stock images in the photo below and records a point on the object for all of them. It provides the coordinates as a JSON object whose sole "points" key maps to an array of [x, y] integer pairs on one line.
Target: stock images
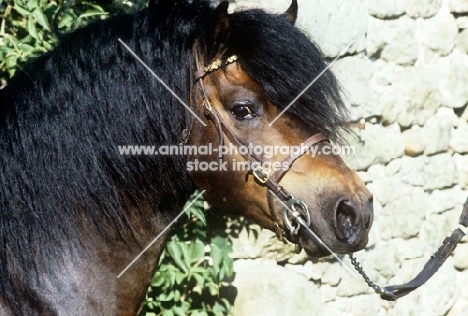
{"points": [[233, 157]]}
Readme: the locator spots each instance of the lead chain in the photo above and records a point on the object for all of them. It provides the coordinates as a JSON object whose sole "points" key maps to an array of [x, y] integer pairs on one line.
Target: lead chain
{"points": [[379, 290]]}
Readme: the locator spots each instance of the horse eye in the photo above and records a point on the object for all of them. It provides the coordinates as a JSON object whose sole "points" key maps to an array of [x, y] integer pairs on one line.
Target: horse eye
{"points": [[243, 112]]}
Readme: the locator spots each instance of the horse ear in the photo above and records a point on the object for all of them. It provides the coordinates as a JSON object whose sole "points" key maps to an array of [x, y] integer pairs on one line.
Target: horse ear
{"points": [[291, 12], [217, 32]]}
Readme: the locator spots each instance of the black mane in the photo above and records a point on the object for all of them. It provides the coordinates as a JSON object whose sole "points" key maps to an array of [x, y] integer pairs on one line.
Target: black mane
{"points": [[63, 116]]}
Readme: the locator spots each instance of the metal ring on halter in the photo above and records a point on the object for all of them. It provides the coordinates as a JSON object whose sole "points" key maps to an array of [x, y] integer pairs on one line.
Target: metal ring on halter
{"points": [[292, 202], [290, 205]]}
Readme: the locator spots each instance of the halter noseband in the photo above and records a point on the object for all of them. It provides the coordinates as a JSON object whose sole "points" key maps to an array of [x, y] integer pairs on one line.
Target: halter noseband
{"points": [[262, 176]]}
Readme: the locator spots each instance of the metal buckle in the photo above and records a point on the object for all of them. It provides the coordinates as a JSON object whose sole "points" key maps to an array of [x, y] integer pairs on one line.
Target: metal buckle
{"points": [[207, 106], [263, 178]]}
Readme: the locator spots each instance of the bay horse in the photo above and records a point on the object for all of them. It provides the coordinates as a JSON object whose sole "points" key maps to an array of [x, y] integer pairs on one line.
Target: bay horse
{"points": [[74, 211]]}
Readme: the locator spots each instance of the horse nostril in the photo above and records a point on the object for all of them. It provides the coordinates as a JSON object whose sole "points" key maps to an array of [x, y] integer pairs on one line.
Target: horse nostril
{"points": [[347, 221]]}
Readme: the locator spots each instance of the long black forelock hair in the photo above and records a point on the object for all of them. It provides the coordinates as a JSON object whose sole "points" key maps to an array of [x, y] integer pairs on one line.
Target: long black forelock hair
{"points": [[283, 60]]}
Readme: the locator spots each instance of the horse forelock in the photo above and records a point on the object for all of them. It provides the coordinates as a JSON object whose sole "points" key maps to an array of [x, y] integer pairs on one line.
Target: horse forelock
{"points": [[284, 60]]}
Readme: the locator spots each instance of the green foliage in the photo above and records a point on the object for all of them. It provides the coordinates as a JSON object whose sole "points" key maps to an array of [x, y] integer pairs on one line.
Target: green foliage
{"points": [[27, 26], [194, 270], [195, 267]]}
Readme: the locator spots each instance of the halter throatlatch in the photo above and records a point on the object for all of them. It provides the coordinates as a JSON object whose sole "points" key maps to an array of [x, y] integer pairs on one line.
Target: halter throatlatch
{"points": [[295, 212], [263, 177]]}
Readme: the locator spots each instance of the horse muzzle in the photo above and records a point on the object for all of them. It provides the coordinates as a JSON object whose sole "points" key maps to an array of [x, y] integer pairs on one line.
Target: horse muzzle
{"points": [[350, 225]]}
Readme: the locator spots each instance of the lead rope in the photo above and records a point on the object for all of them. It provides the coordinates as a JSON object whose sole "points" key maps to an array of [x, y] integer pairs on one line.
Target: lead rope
{"points": [[393, 292]]}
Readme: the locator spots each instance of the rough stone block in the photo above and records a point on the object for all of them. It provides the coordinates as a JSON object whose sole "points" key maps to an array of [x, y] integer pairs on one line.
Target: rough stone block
{"points": [[416, 97], [453, 73], [413, 141], [422, 8], [439, 172], [386, 8], [458, 6], [393, 40], [273, 290], [440, 32]]}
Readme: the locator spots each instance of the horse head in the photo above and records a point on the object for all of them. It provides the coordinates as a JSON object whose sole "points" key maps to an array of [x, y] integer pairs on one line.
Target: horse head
{"points": [[250, 65]]}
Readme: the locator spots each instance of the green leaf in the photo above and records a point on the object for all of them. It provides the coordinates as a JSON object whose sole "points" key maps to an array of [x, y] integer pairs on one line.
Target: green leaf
{"points": [[178, 311], [166, 296], [96, 7], [32, 27], [197, 207], [217, 256], [41, 18], [10, 64], [91, 13], [222, 243], [26, 48], [219, 309], [197, 251], [175, 250], [185, 248], [158, 280], [180, 278], [185, 306], [66, 21], [21, 11], [199, 313], [152, 305], [32, 4], [213, 289], [168, 312], [176, 295], [200, 279], [47, 46]]}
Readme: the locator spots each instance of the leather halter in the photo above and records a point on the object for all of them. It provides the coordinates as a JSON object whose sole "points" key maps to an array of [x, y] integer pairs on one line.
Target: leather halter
{"points": [[261, 175]]}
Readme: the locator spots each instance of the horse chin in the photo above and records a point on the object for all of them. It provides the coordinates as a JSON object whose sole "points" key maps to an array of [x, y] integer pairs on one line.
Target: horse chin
{"points": [[318, 251], [313, 251]]}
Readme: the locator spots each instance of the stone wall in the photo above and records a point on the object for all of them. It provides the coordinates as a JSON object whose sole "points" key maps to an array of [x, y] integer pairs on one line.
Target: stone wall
{"points": [[406, 79]]}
